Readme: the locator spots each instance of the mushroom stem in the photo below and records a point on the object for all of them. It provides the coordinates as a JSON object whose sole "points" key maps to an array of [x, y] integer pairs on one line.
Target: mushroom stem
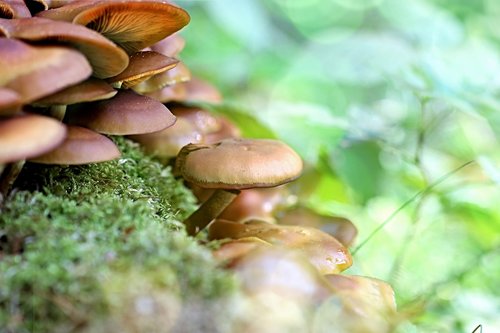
{"points": [[209, 210], [8, 178], [57, 111]]}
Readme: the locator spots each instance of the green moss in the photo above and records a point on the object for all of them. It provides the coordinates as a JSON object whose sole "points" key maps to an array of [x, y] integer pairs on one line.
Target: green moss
{"points": [[70, 233]]}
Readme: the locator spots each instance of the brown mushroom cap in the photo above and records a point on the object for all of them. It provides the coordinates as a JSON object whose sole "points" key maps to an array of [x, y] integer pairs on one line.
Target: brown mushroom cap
{"points": [[35, 72], [143, 65], [10, 102], [27, 136], [167, 143], [12, 9], [133, 25], [239, 164], [229, 252], [105, 57], [125, 114], [326, 253], [198, 90], [81, 146], [176, 75], [204, 121], [340, 228], [87, 91]]}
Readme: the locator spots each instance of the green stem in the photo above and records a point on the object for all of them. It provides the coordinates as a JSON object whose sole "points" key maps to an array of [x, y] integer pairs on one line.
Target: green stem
{"points": [[209, 210]]}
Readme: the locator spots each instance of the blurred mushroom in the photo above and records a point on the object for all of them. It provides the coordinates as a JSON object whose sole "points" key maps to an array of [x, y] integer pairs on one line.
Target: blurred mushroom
{"points": [[81, 146], [339, 227], [231, 251], [175, 75], [324, 252], [170, 46], [175, 93], [201, 91], [133, 25], [87, 91], [105, 57], [367, 305], [35, 72], [12, 9], [10, 102], [125, 114], [232, 165], [143, 65]]}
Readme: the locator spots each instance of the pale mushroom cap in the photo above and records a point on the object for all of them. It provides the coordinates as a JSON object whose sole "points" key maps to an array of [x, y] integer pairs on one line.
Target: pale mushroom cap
{"points": [[125, 114], [10, 102], [202, 91], [170, 46], [134, 25], [81, 146], [175, 93], [26, 136], [143, 65], [326, 253], [239, 164], [174, 76], [35, 72], [87, 91], [105, 57]]}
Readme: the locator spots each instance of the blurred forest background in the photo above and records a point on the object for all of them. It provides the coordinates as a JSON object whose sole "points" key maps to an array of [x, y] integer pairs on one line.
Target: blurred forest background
{"points": [[395, 106]]}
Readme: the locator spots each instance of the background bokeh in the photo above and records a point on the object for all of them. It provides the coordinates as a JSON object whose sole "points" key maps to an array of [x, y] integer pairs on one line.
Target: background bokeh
{"points": [[395, 107]]}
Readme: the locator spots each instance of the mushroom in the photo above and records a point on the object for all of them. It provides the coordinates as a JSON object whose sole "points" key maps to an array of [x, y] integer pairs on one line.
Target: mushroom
{"points": [[35, 72], [87, 91], [10, 102], [231, 251], [133, 25], [230, 166], [341, 228], [324, 252], [170, 46], [81, 146], [358, 305], [105, 57], [175, 75], [201, 91], [143, 65], [125, 114], [175, 93], [12, 9]]}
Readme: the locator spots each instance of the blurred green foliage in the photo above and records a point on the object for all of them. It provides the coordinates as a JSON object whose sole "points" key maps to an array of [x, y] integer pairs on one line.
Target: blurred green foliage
{"points": [[381, 98]]}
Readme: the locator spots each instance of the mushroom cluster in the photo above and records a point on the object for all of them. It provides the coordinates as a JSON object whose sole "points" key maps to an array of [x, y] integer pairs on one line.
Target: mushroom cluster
{"points": [[73, 73]]}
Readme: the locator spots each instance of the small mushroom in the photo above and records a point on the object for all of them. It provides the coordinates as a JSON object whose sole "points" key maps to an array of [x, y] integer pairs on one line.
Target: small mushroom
{"points": [[35, 72], [324, 252], [81, 146], [105, 57], [125, 114], [143, 65], [175, 93], [341, 228], [133, 25], [232, 165], [87, 91], [10, 102], [173, 76]]}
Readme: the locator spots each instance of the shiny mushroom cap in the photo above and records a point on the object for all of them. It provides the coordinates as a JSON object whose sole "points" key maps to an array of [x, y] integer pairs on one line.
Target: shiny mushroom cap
{"points": [[81, 146], [27, 136], [143, 65], [35, 72], [239, 164], [105, 57], [326, 253], [133, 25], [87, 91], [125, 114]]}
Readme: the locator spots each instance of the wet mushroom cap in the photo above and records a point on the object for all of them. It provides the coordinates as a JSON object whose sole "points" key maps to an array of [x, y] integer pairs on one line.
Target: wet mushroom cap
{"points": [[125, 114], [87, 91], [81, 146], [35, 72], [27, 136], [143, 65], [105, 57], [239, 164]]}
